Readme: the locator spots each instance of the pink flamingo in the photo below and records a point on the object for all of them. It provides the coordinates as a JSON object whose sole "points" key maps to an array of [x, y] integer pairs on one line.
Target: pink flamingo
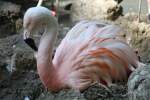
{"points": [[90, 53]]}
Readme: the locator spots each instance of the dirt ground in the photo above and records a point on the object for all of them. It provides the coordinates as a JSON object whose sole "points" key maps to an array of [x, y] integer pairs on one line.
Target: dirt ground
{"points": [[23, 85], [20, 85]]}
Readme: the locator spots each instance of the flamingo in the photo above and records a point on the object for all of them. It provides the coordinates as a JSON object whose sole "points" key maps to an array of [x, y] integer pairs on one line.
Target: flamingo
{"points": [[91, 52]]}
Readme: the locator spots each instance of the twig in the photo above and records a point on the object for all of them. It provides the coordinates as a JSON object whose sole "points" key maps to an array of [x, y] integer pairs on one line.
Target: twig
{"points": [[57, 8], [139, 12], [40, 3]]}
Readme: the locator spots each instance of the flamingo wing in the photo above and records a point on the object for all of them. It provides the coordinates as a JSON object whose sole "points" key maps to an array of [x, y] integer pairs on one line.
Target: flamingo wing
{"points": [[91, 53]]}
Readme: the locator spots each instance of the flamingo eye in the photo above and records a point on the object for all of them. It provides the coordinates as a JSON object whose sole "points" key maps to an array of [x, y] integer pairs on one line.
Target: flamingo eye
{"points": [[41, 31]]}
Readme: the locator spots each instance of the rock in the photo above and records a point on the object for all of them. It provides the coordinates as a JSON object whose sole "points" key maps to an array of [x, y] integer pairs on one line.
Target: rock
{"points": [[138, 34], [9, 7], [138, 84], [22, 60], [95, 92], [116, 92], [15, 55], [25, 4], [132, 16], [20, 85], [141, 38], [62, 95], [6, 51], [95, 10], [9, 13], [119, 1]]}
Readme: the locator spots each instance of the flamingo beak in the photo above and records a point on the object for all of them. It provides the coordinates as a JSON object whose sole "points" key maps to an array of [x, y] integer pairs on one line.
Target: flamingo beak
{"points": [[29, 40]]}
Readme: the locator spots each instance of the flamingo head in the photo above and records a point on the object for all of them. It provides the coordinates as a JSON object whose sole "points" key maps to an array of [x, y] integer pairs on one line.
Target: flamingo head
{"points": [[36, 21]]}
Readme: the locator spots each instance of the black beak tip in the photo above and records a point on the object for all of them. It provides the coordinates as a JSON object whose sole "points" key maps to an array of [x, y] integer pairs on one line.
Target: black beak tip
{"points": [[31, 43]]}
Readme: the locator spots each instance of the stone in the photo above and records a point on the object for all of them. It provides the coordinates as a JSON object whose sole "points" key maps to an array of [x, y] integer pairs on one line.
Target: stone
{"points": [[22, 60], [25, 4], [138, 84], [20, 85], [6, 51], [9, 13], [119, 1], [138, 34], [15, 55], [62, 95], [95, 92], [95, 10]]}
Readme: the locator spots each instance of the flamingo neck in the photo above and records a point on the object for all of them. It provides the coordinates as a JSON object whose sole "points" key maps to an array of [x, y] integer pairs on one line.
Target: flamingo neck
{"points": [[46, 69], [46, 47]]}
